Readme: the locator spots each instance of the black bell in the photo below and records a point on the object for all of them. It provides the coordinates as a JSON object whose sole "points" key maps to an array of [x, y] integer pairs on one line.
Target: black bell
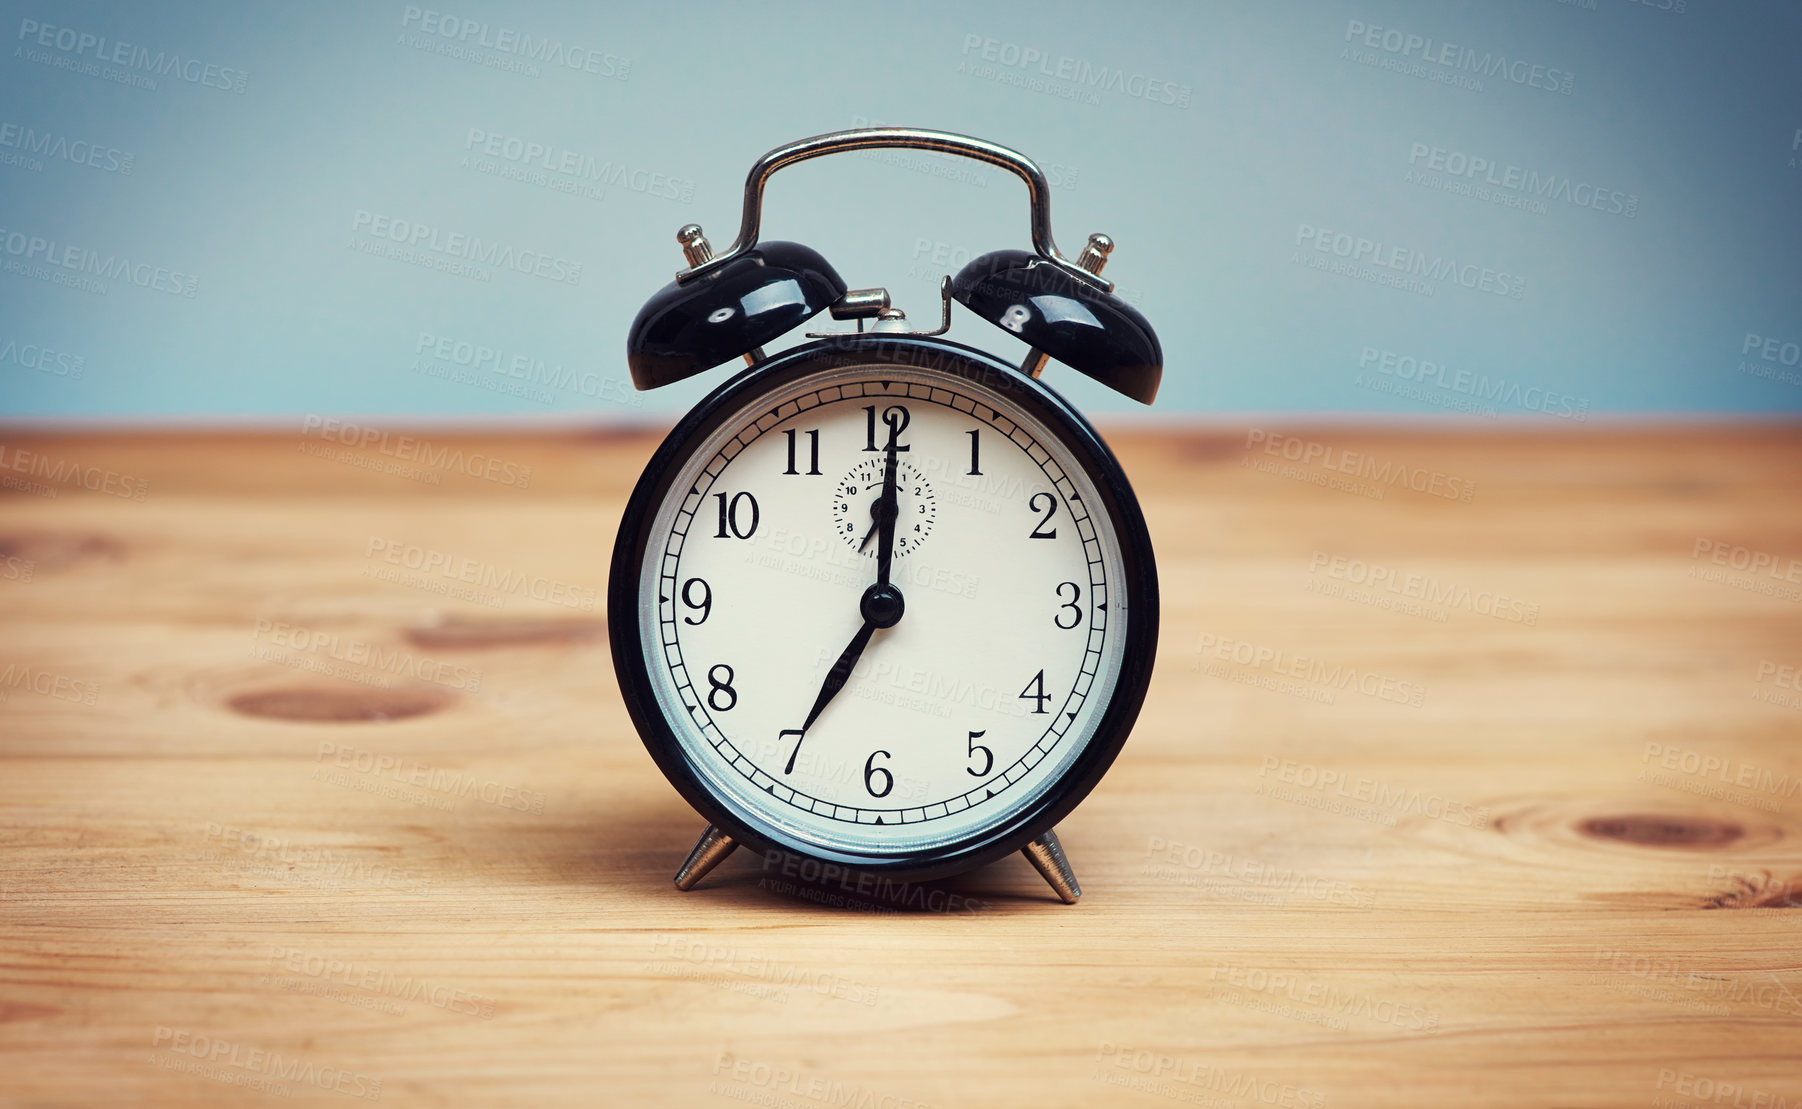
{"points": [[1084, 327], [728, 312]]}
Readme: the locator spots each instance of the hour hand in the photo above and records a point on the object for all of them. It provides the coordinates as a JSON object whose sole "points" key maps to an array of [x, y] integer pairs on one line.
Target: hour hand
{"points": [[835, 681], [882, 606], [838, 675]]}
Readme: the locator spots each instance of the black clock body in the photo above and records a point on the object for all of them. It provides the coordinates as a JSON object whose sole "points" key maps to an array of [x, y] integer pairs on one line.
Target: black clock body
{"points": [[957, 363]]}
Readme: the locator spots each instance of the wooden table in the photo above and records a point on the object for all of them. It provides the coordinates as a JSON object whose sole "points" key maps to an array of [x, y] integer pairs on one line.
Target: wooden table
{"points": [[1469, 776]]}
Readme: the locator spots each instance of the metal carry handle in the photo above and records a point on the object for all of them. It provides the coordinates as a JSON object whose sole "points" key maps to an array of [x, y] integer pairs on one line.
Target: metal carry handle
{"points": [[1038, 194]]}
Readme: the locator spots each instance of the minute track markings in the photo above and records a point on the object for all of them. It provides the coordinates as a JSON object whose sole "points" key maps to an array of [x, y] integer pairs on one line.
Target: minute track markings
{"points": [[951, 805], [999, 781]]}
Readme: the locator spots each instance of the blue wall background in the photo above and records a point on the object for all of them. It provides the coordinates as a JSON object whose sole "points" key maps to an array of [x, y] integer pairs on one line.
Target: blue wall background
{"points": [[196, 205]]}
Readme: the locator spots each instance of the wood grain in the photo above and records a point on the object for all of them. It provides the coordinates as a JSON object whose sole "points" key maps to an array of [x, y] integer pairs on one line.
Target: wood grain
{"points": [[1436, 800]]}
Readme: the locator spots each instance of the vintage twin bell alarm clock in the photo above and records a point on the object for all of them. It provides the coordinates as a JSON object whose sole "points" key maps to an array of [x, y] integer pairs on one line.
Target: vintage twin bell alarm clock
{"points": [[882, 600]]}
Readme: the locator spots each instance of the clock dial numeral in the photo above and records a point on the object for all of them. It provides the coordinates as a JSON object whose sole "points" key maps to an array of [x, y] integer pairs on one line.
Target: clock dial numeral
{"points": [[988, 756], [731, 515], [705, 604], [870, 770], [1071, 604], [799, 736], [1050, 510], [1035, 692], [813, 466], [724, 686], [975, 452], [890, 416]]}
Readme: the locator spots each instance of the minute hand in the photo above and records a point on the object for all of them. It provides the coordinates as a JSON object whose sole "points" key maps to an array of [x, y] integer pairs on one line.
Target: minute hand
{"points": [[887, 507]]}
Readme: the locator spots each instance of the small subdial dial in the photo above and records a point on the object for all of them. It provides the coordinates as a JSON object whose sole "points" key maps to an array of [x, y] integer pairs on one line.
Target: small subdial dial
{"points": [[855, 496]]}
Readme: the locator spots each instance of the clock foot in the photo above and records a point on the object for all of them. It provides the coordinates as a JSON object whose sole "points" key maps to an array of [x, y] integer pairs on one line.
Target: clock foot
{"points": [[712, 848], [1047, 855]]}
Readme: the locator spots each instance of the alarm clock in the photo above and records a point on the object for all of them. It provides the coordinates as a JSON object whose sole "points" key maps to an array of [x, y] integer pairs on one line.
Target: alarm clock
{"points": [[883, 600]]}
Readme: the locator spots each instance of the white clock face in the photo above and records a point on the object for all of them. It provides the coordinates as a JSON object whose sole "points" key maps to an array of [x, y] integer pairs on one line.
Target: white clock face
{"points": [[974, 702]]}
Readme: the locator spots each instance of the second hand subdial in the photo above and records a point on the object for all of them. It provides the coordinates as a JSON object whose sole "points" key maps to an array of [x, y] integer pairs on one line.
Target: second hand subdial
{"points": [[857, 506]]}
